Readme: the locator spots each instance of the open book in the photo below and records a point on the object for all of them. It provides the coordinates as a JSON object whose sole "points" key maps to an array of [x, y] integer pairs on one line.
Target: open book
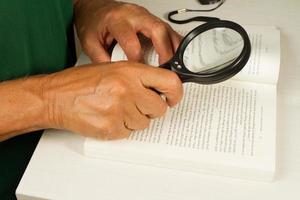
{"points": [[226, 129]]}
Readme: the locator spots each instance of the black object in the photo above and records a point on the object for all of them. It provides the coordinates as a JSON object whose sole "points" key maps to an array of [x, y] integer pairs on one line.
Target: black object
{"points": [[199, 18], [177, 64], [184, 21], [203, 2], [206, 2]]}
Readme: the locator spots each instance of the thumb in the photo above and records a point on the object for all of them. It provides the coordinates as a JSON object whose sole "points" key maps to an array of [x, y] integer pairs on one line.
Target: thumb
{"points": [[163, 81]]}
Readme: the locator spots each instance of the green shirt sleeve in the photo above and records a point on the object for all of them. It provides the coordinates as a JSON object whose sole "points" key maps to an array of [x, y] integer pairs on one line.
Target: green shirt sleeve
{"points": [[36, 37]]}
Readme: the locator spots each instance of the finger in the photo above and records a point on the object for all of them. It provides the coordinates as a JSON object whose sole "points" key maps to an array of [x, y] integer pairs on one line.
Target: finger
{"points": [[175, 38], [134, 119], [165, 40], [108, 41], [163, 81], [116, 130], [161, 42], [120, 132], [128, 40], [151, 104], [158, 32], [95, 50]]}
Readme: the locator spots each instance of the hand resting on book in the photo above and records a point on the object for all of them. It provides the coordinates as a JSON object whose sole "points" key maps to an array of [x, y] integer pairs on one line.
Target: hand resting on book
{"points": [[105, 101]]}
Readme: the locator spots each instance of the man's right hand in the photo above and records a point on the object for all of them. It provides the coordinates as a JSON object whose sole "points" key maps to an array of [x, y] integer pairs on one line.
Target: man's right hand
{"points": [[109, 100]]}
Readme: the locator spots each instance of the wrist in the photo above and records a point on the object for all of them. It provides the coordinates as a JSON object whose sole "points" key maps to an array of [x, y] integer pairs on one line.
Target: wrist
{"points": [[51, 100], [22, 107], [34, 88]]}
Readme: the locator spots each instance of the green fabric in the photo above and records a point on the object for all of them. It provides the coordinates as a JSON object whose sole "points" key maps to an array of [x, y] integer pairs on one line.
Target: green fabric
{"points": [[36, 37]]}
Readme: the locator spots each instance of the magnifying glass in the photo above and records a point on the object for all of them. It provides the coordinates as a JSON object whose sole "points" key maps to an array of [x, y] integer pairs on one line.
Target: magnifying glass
{"points": [[211, 53]]}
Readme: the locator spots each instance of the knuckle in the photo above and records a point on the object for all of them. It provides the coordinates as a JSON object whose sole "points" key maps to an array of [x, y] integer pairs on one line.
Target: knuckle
{"points": [[176, 85], [174, 81], [134, 50], [162, 110], [159, 27], [113, 108], [119, 88], [114, 14]]}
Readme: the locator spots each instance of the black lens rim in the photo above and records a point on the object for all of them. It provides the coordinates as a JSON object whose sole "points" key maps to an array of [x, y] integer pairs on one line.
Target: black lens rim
{"points": [[176, 63]]}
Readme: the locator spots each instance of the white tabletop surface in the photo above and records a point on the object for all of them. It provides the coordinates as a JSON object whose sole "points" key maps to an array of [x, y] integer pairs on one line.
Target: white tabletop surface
{"points": [[57, 170]]}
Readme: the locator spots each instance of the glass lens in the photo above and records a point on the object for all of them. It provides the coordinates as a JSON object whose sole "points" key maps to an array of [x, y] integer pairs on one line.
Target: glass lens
{"points": [[213, 50]]}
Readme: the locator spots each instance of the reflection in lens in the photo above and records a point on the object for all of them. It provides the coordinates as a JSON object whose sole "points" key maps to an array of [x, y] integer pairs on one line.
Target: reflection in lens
{"points": [[213, 50]]}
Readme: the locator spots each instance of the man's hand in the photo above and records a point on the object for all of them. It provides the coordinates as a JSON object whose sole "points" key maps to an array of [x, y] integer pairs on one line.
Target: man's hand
{"points": [[109, 100], [104, 101], [98, 22]]}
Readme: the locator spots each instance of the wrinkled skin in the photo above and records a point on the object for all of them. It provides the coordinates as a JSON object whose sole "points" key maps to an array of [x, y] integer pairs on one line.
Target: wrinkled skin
{"points": [[110, 100]]}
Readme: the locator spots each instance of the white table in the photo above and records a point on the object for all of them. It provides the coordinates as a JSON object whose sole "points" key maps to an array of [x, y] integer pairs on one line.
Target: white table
{"points": [[58, 170]]}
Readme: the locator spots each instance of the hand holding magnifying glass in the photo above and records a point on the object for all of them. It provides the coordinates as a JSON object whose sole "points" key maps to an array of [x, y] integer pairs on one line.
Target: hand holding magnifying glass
{"points": [[211, 53]]}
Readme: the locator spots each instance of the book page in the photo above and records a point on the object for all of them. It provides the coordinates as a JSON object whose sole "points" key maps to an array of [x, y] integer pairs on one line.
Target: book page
{"points": [[230, 125], [225, 129], [262, 67], [264, 63], [220, 118]]}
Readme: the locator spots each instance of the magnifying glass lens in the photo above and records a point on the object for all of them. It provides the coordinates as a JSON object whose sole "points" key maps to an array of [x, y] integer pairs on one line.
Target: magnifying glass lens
{"points": [[213, 50]]}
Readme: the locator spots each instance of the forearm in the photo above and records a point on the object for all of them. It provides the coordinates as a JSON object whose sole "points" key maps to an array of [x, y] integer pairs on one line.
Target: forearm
{"points": [[21, 107]]}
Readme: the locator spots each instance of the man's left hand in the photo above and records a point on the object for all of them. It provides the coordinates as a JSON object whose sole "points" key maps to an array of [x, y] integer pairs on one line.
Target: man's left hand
{"points": [[98, 22]]}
